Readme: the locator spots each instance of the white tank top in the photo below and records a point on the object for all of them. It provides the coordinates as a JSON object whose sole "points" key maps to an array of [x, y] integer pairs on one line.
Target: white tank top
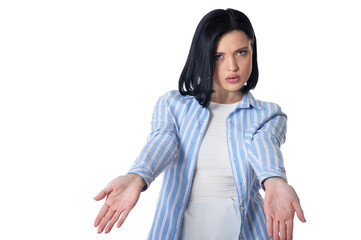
{"points": [[213, 174]]}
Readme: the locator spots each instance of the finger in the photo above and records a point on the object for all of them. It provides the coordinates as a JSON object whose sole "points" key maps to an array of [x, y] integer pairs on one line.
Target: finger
{"points": [[101, 214], [112, 221], [122, 218], [102, 194], [269, 226], [276, 230], [282, 227], [289, 229], [299, 211], [105, 220]]}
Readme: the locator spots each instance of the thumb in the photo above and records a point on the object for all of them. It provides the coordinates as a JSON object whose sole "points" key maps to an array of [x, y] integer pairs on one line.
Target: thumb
{"points": [[299, 211], [102, 194]]}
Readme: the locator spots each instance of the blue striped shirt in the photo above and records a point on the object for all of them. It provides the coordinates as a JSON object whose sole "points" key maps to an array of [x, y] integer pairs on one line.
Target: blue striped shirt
{"points": [[255, 132]]}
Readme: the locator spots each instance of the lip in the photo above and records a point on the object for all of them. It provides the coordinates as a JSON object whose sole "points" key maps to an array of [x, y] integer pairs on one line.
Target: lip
{"points": [[234, 78]]}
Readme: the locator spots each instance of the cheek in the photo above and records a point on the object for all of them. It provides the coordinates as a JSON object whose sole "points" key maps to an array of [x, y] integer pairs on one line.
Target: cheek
{"points": [[217, 71], [250, 63], [248, 67]]}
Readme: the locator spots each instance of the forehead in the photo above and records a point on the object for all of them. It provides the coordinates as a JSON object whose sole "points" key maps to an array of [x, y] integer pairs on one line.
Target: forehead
{"points": [[233, 39]]}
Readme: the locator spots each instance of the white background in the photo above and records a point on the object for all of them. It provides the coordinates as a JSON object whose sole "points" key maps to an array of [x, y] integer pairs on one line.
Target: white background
{"points": [[79, 80]]}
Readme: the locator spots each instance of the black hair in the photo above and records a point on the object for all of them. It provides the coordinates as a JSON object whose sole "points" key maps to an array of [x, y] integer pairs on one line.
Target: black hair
{"points": [[196, 78]]}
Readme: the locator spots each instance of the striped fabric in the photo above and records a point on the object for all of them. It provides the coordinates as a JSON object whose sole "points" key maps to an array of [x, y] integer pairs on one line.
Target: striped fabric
{"points": [[255, 131]]}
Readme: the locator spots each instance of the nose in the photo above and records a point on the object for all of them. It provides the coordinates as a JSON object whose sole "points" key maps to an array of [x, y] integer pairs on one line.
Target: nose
{"points": [[232, 64]]}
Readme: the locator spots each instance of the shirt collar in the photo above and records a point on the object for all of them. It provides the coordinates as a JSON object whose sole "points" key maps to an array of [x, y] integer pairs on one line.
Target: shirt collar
{"points": [[248, 101]]}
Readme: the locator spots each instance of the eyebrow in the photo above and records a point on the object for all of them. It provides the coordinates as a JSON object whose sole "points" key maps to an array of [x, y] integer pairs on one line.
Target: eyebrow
{"points": [[242, 48]]}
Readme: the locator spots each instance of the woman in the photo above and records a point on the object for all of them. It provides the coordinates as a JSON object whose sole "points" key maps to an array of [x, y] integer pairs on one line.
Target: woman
{"points": [[217, 146]]}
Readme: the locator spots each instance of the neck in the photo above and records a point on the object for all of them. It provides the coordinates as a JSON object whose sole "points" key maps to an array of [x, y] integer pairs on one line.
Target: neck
{"points": [[227, 98]]}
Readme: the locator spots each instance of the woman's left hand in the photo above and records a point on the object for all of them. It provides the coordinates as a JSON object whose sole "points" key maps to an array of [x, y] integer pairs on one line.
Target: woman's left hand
{"points": [[281, 202]]}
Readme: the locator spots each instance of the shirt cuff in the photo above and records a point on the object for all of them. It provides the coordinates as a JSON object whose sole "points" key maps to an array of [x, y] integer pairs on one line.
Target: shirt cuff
{"points": [[270, 174]]}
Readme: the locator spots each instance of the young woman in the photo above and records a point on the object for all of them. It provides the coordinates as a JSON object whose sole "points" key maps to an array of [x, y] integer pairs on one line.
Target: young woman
{"points": [[217, 146]]}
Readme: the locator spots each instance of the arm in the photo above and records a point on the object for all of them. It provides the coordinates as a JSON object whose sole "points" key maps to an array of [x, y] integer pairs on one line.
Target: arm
{"points": [[161, 147], [123, 192], [281, 200], [265, 139]]}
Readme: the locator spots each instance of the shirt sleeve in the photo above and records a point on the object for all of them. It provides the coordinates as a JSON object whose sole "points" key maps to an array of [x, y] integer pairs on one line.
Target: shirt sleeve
{"points": [[161, 147], [264, 153]]}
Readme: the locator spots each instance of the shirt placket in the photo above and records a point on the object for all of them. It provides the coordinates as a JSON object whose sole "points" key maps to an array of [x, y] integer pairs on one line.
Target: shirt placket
{"points": [[240, 186]]}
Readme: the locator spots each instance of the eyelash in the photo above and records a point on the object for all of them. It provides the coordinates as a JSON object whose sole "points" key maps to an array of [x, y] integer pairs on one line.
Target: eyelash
{"points": [[241, 52]]}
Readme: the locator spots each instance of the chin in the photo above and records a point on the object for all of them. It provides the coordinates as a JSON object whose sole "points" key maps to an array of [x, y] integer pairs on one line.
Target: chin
{"points": [[235, 87]]}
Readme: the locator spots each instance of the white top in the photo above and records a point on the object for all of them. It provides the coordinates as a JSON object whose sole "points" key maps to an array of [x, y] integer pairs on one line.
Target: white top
{"points": [[213, 174]]}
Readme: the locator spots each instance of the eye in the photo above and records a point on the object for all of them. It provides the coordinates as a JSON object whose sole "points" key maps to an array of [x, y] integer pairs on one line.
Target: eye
{"points": [[242, 52], [218, 56]]}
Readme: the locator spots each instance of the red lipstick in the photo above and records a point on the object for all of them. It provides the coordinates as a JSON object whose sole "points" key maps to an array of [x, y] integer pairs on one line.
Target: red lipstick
{"points": [[234, 78]]}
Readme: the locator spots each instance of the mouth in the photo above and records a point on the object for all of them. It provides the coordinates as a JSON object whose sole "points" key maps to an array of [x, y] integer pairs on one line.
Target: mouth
{"points": [[234, 78]]}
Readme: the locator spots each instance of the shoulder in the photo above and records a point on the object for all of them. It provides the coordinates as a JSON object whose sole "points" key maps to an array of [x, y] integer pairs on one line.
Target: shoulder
{"points": [[268, 117], [173, 96], [266, 112], [264, 105]]}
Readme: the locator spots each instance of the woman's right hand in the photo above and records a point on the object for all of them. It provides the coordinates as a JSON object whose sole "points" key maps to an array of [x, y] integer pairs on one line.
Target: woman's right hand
{"points": [[122, 194]]}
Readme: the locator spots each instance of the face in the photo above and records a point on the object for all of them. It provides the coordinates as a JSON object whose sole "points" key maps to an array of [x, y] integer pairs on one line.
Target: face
{"points": [[233, 63]]}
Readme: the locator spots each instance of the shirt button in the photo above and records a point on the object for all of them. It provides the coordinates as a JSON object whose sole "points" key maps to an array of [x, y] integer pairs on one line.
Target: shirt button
{"points": [[233, 159]]}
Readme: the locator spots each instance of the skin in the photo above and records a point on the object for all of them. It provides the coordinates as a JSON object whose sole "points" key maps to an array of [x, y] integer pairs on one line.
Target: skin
{"points": [[280, 204], [121, 196], [233, 56]]}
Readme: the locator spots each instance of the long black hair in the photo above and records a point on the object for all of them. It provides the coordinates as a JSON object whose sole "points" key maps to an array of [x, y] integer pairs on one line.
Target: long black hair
{"points": [[196, 78]]}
